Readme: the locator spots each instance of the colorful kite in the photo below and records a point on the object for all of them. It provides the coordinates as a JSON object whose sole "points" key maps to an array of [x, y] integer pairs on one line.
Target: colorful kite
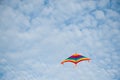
{"points": [[75, 58]]}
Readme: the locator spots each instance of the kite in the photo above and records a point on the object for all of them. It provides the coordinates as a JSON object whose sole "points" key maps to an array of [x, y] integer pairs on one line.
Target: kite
{"points": [[75, 58]]}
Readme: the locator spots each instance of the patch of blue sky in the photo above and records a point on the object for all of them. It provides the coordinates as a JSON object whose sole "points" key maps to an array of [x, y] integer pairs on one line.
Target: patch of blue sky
{"points": [[46, 2], [115, 5]]}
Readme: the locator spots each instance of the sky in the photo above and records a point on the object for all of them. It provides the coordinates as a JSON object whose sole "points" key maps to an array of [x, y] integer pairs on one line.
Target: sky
{"points": [[36, 35]]}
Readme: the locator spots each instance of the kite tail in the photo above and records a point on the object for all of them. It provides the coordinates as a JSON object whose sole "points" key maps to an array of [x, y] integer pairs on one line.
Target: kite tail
{"points": [[75, 65]]}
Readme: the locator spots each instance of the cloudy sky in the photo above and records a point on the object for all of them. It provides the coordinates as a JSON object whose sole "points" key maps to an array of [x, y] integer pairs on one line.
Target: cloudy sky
{"points": [[36, 35]]}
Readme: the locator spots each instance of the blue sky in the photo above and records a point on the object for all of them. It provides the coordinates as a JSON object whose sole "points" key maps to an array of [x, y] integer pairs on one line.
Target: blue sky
{"points": [[36, 35]]}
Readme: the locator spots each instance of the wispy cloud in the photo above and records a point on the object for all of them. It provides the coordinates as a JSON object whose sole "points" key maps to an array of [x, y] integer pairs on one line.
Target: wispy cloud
{"points": [[36, 35]]}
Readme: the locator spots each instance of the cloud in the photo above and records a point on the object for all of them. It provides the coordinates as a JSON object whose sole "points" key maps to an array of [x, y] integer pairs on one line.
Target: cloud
{"points": [[35, 36]]}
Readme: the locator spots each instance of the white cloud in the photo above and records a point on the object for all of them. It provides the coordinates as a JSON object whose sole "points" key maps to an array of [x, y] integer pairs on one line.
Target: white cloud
{"points": [[103, 3], [100, 15]]}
